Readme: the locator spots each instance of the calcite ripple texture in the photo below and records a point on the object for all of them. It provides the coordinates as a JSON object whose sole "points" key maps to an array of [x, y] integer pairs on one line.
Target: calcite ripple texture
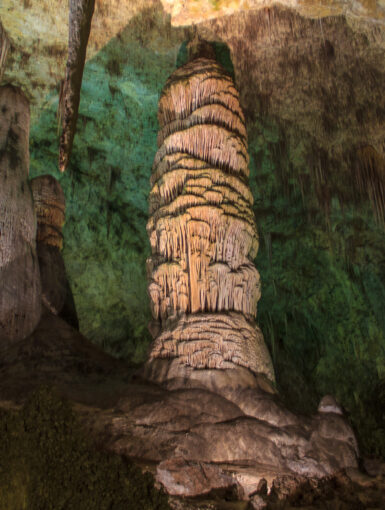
{"points": [[203, 285], [20, 289]]}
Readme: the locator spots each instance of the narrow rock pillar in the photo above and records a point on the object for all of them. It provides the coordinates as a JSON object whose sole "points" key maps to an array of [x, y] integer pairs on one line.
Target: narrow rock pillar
{"points": [[4, 48], [20, 292], [203, 285], [49, 204]]}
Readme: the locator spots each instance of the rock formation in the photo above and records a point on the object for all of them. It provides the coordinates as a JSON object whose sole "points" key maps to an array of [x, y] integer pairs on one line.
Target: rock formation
{"points": [[4, 48], [203, 286], [204, 290], [20, 291], [49, 204], [80, 17], [196, 441]]}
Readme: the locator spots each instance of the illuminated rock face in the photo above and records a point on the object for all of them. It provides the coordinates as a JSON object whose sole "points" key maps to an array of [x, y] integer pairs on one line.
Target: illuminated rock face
{"points": [[203, 285], [20, 291]]}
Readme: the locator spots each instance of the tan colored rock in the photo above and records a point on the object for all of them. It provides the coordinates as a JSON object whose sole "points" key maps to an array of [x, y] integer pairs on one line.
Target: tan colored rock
{"points": [[203, 285], [190, 479], [20, 291], [4, 48], [49, 202], [328, 404], [197, 440], [192, 11], [39, 29], [214, 340]]}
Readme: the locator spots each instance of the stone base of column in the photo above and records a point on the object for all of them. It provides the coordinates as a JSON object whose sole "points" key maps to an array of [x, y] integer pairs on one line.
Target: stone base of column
{"points": [[190, 347]]}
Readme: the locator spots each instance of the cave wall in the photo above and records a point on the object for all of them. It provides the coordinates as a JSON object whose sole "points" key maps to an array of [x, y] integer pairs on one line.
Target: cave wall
{"points": [[312, 95], [107, 183]]}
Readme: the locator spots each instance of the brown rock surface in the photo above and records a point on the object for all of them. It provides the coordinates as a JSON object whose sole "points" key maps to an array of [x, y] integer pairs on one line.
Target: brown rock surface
{"points": [[204, 290], [80, 17], [198, 442], [192, 478], [49, 203], [58, 355], [4, 48], [321, 81], [39, 29], [20, 291], [203, 286]]}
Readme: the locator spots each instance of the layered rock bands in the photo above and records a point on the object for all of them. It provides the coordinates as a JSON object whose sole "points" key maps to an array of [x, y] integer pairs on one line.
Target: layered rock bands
{"points": [[203, 285], [49, 202]]}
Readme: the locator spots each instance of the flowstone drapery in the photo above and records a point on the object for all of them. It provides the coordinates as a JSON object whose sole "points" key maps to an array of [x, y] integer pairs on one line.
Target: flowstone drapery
{"points": [[204, 287]]}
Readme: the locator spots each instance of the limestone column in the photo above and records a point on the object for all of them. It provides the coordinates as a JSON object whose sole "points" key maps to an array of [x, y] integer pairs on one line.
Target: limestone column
{"points": [[49, 202], [20, 292], [4, 48], [203, 285]]}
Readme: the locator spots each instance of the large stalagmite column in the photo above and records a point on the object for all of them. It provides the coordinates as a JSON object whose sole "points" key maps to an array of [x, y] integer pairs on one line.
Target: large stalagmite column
{"points": [[203, 285], [20, 296]]}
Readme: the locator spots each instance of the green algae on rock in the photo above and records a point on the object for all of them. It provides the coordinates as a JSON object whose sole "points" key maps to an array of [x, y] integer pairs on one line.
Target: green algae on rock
{"points": [[48, 463]]}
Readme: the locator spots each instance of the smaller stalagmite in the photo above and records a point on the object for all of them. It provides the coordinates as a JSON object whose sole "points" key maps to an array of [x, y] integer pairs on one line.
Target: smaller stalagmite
{"points": [[20, 291], [204, 287], [49, 204], [4, 48]]}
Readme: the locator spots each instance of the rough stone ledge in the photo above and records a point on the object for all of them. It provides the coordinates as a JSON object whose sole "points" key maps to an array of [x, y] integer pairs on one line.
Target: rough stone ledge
{"points": [[196, 439]]}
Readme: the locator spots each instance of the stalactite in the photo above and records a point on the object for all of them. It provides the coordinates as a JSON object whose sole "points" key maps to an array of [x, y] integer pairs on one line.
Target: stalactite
{"points": [[369, 179], [81, 12], [49, 203], [20, 290], [203, 285]]}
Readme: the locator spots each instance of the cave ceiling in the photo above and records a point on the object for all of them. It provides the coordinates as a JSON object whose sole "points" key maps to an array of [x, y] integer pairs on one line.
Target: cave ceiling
{"points": [[38, 29], [315, 67]]}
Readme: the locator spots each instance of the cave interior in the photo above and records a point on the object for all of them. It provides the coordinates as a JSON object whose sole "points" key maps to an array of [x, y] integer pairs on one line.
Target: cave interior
{"points": [[164, 166]]}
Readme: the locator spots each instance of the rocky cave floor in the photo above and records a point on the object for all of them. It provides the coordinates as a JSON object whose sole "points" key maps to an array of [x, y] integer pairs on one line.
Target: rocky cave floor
{"points": [[187, 437]]}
